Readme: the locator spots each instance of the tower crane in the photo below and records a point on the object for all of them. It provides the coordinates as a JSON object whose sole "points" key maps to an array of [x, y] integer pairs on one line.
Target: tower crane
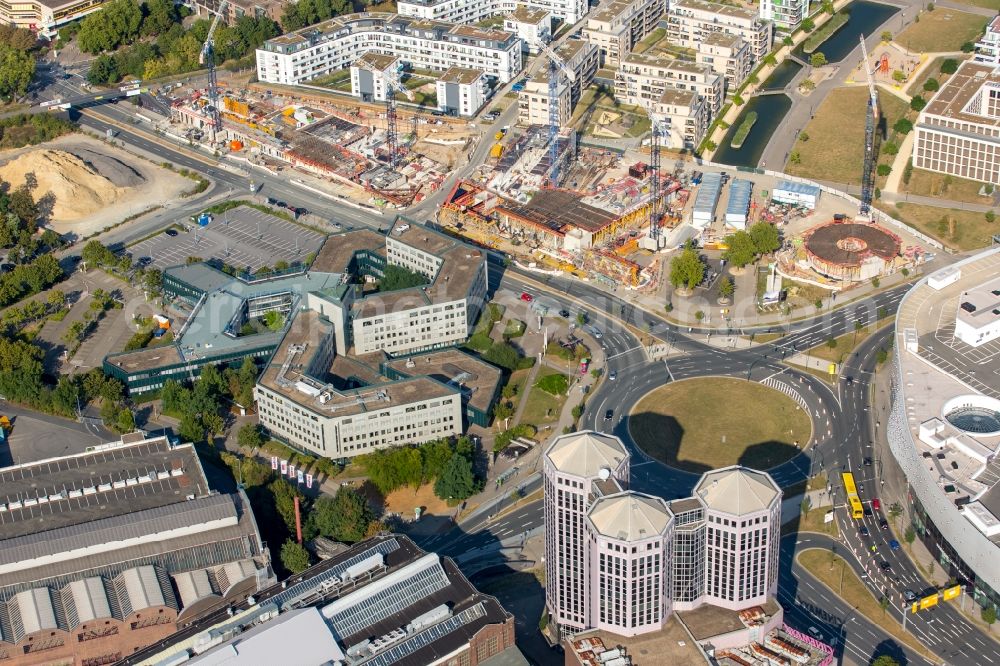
{"points": [[556, 66], [207, 58], [871, 139], [660, 129], [392, 84]]}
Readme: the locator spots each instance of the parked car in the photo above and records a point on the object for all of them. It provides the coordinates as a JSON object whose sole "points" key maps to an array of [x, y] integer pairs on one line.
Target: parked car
{"points": [[608, 415], [171, 232], [526, 297]]}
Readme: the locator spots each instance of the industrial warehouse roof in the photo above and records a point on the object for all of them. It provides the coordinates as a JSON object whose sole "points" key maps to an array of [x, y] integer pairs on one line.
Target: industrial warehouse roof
{"points": [[708, 193], [630, 516], [558, 211], [38, 497], [737, 490], [586, 453]]}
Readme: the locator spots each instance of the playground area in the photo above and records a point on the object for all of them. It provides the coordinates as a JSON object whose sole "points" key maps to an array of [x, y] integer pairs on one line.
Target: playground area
{"points": [[892, 66]]}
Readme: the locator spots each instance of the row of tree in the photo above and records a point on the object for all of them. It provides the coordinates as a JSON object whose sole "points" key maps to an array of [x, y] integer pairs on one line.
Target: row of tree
{"points": [[199, 406], [743, 247], [447, 461], [159, 44]]}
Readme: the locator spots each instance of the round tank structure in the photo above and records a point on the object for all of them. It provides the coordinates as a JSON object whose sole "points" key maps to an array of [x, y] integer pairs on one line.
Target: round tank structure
{"points": [[851, 252]]}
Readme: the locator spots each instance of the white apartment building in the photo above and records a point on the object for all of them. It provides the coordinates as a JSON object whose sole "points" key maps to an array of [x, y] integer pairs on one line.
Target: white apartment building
{"points": [[372, 74], [471, 11], [461, 92], [988, 46], [689, 22], [532, 26], [683, 118], [333, 45], [728, 55], [641, 80], [784, 13], [299, 403], [582, 59], [958, 132], [615, 28]]}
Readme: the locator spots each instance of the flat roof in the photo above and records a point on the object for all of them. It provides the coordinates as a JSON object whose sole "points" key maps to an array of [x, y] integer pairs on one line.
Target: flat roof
{"points": [[716, 8], [529, 15], [476, 379], [708, 621], [679, 97], [980, 306], [336, 253], [740, 191], [462, 75], [304, 628], [612, 10], [722, 39], [559, 210], [379, 62], [668, 63], [672, 644], [798, 188], [952, 100], [101, 478], [708, 193], [302, 340]]}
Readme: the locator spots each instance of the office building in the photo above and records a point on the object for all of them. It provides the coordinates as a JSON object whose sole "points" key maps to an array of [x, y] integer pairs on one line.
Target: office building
{"points": [[787, 14], [324, 48], [690, 22], [623, 562], [581, 59], [461, 92], [988, 47], [473, 11], [105, 552], [958, 132], [45, 17], [616, 27], [381, 602], [641, 80], [532, 26]]}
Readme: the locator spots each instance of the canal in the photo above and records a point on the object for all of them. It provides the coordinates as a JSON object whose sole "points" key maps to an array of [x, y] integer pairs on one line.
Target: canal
{"points": [[866, 17], [782, 75], [770, 110]]}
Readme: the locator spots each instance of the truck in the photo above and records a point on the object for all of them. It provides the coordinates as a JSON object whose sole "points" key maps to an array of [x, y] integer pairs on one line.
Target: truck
{"points": [[496, 151]]}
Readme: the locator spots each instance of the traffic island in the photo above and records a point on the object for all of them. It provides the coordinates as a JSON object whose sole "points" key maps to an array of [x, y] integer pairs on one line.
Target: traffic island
{"points": [[701, 424]]}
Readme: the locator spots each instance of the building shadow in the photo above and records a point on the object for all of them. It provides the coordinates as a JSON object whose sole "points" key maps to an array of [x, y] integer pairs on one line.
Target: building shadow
{"points": [[889, 648], [766, 455]]}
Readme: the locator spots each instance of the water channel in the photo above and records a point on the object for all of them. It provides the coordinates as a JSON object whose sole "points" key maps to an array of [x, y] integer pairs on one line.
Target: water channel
{"points": [[865, 18]]}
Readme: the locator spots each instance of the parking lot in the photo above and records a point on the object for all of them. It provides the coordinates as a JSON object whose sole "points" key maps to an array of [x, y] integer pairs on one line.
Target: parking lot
{"points": [[242, 237]]}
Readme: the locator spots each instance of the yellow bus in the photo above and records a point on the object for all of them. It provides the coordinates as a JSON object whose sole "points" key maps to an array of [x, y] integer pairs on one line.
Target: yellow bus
{"points": [[857, 511]]}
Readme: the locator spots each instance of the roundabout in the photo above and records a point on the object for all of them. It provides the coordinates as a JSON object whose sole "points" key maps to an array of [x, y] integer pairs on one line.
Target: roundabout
{"points": [[705, 423]]}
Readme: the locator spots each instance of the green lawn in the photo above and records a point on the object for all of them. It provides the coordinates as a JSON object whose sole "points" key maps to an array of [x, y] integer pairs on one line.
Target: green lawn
{"points": [[836, 144], [931, 71], [958, 229], [942, 30], [988, 4], [953, 188], [542, 407], [845, 345], [683, 425]]}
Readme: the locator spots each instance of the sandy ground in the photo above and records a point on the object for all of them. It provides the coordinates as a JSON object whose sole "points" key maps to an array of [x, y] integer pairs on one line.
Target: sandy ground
{"points": [[120, 183]]}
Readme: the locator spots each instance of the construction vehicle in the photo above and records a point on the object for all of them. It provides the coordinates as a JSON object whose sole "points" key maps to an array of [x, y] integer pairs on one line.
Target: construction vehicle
{"points": [[5, 428]]}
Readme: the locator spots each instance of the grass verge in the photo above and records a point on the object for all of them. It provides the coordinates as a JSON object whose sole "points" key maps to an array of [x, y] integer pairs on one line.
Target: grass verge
{"points": [[542, 407], [930, 184], [942, 30], [958, 229]]}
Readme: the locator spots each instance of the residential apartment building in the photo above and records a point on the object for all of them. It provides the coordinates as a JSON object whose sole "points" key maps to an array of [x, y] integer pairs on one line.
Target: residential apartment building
{"points": [[461, 92], [623, 562], [333, 45], [582, 60], [690, 22], [46, 16], [682, 118], [786, 14], [472, 11], [728, 55], [372, 74], [641, 80], [958, 132], [532, 26], [988, 47], [615, 28]]}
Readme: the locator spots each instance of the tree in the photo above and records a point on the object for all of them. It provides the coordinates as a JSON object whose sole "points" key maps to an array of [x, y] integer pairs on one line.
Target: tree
{"points": [[990, 216], [909, 535], [898, 75], [903, 126], [890, 148], [738, 101], [931, 84], [398, 277], [727, 288], [502, 355], [885, 660], [808, 25], [456, 480], [249, 436], [95, 254], [16, 69], [831, 343], [343, 517], [687, 269], [191, 428], [581, 318], [294, 557], [765, 237], [883, 169], [917, 103], [788, 41], [804, 506], [699, 315], [795, 157], [284, 495], [160, 16], [803, 136], [876, 282], [883, 603], [886, 36], [116, 24], [817, 59], [769, 59], [740, 249], [989, 614], [968, 47], [949, 66]]}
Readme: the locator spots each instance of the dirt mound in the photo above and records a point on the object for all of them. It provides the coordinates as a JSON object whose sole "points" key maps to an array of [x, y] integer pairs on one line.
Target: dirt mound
{"points": [[77, 187]]}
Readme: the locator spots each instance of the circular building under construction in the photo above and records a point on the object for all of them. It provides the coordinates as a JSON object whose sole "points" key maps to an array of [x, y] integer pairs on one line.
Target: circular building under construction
{"points": [[851, 252]]}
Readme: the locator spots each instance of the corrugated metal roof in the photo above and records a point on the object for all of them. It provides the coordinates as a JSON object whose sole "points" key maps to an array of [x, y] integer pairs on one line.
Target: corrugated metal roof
{"points": [[708, 193], [798, 188], [89, 598], [193, 586], [130, 526], [233, 572], [739, 197], [36, 609], [143, 588]]}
